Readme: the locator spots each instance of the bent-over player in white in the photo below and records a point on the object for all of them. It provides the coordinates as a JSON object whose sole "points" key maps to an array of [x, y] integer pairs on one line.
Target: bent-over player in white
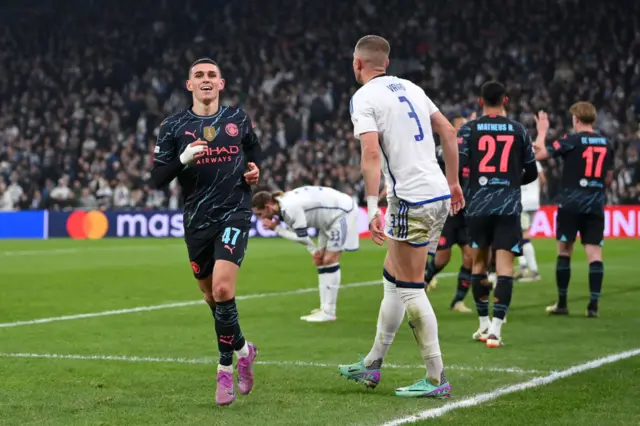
{"points": [[530, 205], [334, 214], [393, 118]]}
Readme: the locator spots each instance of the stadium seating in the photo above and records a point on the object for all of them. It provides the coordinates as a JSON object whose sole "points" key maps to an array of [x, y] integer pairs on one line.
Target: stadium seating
{"points": [[85, 84]]}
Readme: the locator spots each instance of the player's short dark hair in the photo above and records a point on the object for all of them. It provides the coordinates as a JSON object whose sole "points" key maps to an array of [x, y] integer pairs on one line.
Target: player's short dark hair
{"points": [[262, 198], [584, 111], [204, 61], [493, 93]]}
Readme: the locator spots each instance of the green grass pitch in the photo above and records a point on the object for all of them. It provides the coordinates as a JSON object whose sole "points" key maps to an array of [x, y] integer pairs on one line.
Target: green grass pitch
{"points": [[157, 366]]}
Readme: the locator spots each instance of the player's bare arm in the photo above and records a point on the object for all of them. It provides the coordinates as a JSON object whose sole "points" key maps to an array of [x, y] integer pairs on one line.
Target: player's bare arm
{"points": [[370, 165], [542, 126], [542, 177], [447, 134]]}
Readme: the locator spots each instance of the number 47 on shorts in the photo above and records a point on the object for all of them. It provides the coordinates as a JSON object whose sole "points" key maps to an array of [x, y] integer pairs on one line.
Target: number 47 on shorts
{"points": [[230, 235]]}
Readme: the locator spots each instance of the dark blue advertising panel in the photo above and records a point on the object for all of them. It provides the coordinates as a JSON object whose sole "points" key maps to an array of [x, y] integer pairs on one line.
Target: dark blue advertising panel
{"points": [[155, 224], [24, 224]]}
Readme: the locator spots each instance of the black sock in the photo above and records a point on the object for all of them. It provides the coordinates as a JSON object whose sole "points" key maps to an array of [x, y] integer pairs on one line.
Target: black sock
{"points": [[212, 306], [596, 274], [502, 296], [464, 282], [563, 275], [481, 290], [431, 270], [228, 330]]}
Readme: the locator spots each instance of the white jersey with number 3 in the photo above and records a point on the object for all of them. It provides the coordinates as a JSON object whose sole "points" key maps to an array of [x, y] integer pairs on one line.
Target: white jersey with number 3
{"points": [[400, 112]]}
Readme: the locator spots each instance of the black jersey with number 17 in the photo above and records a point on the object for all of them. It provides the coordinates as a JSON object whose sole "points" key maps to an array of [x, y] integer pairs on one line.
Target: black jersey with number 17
{"points": [[213, 186], [587, 159], [496, 150]]}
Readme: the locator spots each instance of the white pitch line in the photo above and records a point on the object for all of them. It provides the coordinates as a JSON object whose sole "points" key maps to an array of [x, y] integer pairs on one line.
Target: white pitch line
{"points": [[151, 359], [182, 304], [533, 383], [90, 248]]}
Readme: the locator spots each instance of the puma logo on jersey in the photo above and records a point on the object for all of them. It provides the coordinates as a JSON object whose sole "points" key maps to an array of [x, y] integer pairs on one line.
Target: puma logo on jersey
{"points": [[193, 134]]}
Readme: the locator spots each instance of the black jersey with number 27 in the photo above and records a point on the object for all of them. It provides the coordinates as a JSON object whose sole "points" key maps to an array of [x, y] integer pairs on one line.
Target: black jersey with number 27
{"points": [[495, 149]]}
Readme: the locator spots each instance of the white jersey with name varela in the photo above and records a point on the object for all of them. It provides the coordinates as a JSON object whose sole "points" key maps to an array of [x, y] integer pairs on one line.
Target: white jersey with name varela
{"points": [[400, 112], [313, 206], [530, 194]]}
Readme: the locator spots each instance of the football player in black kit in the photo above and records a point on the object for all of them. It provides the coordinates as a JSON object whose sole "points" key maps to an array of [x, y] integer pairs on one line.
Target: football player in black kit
{"points": [[454, 232], [214, 153], [499, 155], [586, 173]]}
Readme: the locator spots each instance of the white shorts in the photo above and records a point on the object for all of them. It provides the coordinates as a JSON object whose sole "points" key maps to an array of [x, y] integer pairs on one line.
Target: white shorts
{"points": [[417, 225], [526, 219], [342, 235]]}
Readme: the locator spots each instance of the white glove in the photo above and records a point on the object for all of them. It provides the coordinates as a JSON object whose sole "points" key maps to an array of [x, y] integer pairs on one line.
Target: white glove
{"points": [[193, 151]]}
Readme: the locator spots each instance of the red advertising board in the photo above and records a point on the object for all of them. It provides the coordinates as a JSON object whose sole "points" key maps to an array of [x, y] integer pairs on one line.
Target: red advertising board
{"points": [[619, 222]]}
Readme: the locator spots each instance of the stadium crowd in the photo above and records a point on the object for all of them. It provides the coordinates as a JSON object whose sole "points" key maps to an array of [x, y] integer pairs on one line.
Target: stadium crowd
{"points": [[84, 85]]}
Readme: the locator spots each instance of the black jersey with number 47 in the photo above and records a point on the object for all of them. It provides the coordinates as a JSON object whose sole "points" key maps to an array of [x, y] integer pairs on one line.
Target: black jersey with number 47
{"points": [[496, 150], [213, 185], [587, 159]]}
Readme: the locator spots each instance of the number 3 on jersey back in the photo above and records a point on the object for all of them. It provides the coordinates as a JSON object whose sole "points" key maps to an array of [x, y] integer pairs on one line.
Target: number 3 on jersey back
{"points": [[412, 114]]}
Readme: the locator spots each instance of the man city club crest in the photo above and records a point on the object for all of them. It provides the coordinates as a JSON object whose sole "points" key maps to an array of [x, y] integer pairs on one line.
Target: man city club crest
{"points": [[209, 133]]}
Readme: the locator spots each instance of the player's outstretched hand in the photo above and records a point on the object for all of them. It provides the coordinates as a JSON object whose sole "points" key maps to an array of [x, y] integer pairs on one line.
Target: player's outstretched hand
{"points": [[376, 229], [542, 122], [253, 175], [270, 223], [457, 199], [193, 151]]}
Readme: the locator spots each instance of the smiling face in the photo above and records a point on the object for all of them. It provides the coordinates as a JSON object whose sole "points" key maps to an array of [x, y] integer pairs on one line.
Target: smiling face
{"points": [[205, 82]]}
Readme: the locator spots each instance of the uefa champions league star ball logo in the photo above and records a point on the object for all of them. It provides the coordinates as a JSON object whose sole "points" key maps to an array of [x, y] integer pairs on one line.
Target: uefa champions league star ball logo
{"points": [[583, 183], [483, 180]]}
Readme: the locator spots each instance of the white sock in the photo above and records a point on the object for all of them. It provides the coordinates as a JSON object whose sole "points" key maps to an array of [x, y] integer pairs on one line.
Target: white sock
{"points": [[485, 322], [332, 283], [323, 283], [425, 329], [227, 368], [529, 253], [389, 321], [496, 327], [244, 351], [522, 261]]}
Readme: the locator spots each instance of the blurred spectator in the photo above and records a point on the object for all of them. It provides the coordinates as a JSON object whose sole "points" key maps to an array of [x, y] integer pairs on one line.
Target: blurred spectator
{"points": [[85, 84]]}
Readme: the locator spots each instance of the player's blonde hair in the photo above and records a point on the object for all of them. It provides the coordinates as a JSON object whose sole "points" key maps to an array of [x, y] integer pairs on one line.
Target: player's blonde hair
{"points": [[373, 49], [584, 111]]}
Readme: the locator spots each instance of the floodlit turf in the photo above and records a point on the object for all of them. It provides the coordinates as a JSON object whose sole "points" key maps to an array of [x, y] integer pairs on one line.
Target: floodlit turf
{"points": [[163, 370]]}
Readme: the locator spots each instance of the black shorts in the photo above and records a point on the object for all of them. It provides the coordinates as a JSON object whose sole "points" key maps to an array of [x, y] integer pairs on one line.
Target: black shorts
{"points": [[590, 226], [225, 242], [497, 232], [454, 232]]}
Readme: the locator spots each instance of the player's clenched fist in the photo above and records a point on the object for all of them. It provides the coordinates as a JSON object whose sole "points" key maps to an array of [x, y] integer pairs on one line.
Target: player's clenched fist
{"points": [[253, 175], [193, 151]]}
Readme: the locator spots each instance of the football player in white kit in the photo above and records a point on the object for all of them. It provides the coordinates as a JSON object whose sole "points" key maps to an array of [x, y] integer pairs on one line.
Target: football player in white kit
{"points": [[393, 118], [530, 205], [334, 214]]}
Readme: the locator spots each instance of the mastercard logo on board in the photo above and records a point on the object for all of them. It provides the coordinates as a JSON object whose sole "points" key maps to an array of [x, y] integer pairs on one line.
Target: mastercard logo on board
{"points": [[92, 225]]}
